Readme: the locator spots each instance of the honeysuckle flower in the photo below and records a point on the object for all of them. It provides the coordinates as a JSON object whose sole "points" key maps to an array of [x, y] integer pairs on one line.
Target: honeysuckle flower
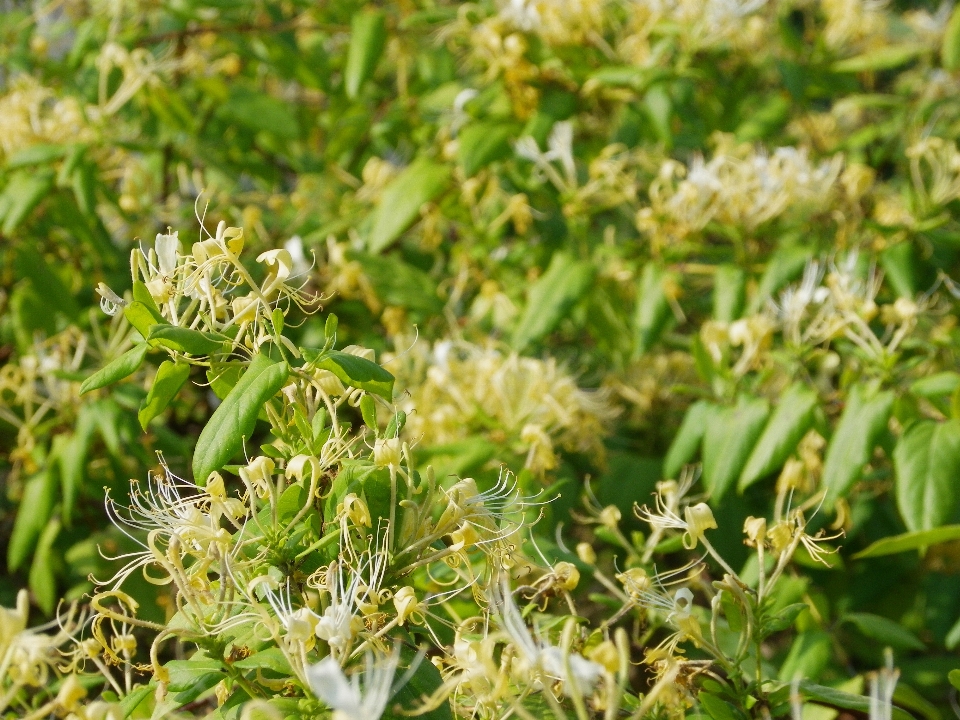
{"points": [[355, 510], [279, 268], [258, 475], [408, 606], [364, 696], [578, 674]]}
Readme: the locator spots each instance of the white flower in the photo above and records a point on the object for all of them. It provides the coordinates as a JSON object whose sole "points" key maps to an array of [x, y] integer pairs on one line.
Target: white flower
{"points": [[578, 674], [350, 698], [166, 247]]}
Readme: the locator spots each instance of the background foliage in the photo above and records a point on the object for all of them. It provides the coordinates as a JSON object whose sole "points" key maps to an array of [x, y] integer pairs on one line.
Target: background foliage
{"points": [[593, 241]]}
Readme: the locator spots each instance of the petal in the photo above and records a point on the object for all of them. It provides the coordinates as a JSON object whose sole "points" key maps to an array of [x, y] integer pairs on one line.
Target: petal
{"points": [[330, 685]]}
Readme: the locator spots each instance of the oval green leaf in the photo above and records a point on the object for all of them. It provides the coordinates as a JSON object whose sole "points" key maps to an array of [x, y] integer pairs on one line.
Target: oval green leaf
{"points": [[234, 420], [355, 371], [927, 465]]}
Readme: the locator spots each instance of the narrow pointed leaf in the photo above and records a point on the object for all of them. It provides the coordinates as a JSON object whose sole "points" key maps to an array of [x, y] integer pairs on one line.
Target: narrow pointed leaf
{"points": [[186, 340], [116, 369], [861, 425], [789, 423], [169, 379], [354, 371], [565, 281], [728, 441], [910, 541], [688, 437]]}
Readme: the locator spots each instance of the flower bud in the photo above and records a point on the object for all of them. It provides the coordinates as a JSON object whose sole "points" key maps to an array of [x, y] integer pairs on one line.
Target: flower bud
{"points": [[635, 582], [610, 516], [755, 529], [606, 655], [586, 553], [71, 693], [568, 577]]}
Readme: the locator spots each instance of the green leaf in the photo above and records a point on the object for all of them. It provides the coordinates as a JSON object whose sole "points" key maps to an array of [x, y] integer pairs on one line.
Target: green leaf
{"points": [[943, 383], [652, 310], [728, 441], [21, 195], [909, 699], [36, 155], [402, 199], [260, 112], [884, 631], [169, 379], [272, 659], [861, 424], [142, 295], [950, 48], [790, 422], [71, 454], [883, 58], [688, 437], [898, 267], [910, 541], [133, 699], [42, 578], [31, 264], [954, 678], [400, 284], [480, 144], [718, 709], [729, 288], [142, 317], [353, 370], [927, 465], [36, 507], [186, 340], [809, 654], [840, 700], [116, 369], [395, 425], [422, 684], [235, 418], [184, 672], [368, 411], [552, 296], [368, 38]]}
